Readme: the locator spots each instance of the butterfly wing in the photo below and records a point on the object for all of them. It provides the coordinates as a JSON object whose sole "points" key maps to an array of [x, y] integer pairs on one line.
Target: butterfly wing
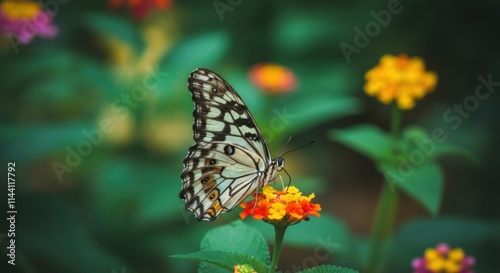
{"points": [[224, 165], [221, 115], [214, 181]]}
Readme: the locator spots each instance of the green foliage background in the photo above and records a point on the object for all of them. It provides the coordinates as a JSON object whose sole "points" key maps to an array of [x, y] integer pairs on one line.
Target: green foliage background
{"points": [[118, 209]]}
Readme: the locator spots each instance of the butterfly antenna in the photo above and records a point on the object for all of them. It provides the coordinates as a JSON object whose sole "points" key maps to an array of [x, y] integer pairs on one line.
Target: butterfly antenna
{"points": [[286, 143], [309, 143]]}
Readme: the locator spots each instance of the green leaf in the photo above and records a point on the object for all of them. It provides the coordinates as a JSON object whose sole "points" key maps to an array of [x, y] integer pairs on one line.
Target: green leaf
{"points": [[328, 269], [298, 24], [327, 232], [366, 139], [224, 260], [416, 139], [303, 116], [153, 206], [424, 183], [202, 50], [124, 30], [55, 221], [450, 149], [237, 237]]}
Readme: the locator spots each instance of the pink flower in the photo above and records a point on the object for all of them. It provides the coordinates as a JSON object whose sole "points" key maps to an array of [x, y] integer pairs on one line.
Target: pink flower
{"points": [[420, 266], [25, 20], [141, 8]]}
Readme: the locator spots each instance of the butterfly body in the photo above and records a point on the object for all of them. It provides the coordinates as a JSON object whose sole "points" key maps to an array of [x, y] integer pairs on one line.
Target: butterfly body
{"points": [[230, 158]]}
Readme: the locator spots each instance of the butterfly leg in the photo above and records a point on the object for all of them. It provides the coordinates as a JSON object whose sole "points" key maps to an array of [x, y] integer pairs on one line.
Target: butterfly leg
{"points": [[282, 183], [256, 198], [281, 178], [273, 180]]}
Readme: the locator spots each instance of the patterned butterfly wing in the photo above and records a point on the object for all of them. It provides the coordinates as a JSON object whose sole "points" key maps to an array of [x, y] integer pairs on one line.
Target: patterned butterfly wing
{"points": [[230, 155]]}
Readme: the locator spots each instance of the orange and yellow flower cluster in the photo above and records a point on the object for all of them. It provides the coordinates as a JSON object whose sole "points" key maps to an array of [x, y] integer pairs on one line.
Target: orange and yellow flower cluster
{"points": [[284, 206], [273, 78], [244, 268], [443, 259], [401, 79]]}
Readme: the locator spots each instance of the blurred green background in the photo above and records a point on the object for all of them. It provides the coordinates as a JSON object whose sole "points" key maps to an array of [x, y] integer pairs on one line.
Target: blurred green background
{"points": [[116, 208]]}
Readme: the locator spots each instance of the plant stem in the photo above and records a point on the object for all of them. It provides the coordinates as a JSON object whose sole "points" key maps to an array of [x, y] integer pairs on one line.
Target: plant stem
{"points": [[382, 227], [385, 214], [279, 234], [395, 124]]}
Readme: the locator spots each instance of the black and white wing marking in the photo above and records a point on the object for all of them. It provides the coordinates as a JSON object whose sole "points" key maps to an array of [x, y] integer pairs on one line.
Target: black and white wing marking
{"points": [[230, 155]]}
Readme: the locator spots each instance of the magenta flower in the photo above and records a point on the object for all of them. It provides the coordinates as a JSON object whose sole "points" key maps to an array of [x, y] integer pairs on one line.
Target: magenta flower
{"points": [[443, 259], [24, 20]]}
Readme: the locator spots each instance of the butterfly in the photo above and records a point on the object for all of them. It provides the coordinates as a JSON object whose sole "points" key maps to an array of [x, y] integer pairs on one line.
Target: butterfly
{"points": [[230, 158]]}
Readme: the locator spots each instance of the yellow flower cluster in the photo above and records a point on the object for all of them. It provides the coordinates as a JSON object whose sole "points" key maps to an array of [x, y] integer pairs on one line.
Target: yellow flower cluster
{"points": [[438, 262], [401, 79], [443, 259], [20, 9]]}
